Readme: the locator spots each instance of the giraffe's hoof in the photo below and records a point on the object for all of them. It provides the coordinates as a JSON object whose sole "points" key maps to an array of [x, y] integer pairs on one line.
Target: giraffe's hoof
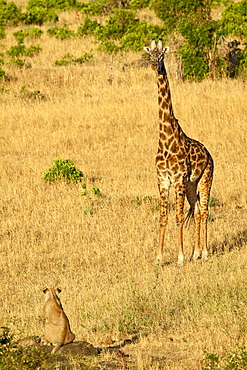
{"points": [[159, 260], [180, 260]]}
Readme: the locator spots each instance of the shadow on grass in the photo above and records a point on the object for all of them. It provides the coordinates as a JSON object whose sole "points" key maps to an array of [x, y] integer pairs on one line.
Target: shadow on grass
{"points": [[231, 242]]}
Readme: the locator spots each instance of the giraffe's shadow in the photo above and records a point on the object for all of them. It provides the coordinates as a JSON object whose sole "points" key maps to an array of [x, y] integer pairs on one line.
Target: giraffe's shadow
{"points": [[230, 242]]}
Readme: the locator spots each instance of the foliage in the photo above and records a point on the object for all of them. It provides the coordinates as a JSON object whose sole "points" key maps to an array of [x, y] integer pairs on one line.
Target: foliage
{"points": [[2, 73], [235, 360], [88, 27], [10, 13], [234, 20], [139, 4], [63, 4], [61, 33], [13, 356], [129, 33], [92, 8], [2, 32], [63, 170], [38, 13], [94, 190], [28, 33], [117, 25], [199, 48], [70, 59], [20, 50]]}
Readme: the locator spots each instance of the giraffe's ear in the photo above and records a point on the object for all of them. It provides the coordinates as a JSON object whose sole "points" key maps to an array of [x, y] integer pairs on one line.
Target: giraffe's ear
{"points": [[147, 49], [166, 49]]}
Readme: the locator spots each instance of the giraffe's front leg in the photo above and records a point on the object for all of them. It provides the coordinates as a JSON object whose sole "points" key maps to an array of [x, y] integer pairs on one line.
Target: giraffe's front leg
{"points": [[180, 197], [164, 194]]}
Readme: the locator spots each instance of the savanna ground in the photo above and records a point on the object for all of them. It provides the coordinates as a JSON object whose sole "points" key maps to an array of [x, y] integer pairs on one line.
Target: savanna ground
{"points": [[101, 251]]}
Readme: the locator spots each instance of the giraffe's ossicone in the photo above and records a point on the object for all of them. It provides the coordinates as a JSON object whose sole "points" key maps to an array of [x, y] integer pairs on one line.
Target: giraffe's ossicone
{"points": [[182, 162]]}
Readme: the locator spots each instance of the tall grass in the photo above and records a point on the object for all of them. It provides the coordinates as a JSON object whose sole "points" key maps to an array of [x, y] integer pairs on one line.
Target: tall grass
{"points": [[104, 260]]}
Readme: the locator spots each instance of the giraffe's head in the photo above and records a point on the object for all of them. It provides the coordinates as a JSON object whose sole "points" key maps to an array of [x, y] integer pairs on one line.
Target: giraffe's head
{"points": [[156, 53]]}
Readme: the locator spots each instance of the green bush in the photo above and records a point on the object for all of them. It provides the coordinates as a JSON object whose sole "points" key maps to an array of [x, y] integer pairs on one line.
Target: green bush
{"points": [[70, 59], [38, 13], [2, 32], [135, 38], [28, 33], [61, 33], [63, 4], [130, 32], [92, 8], [88, 27], [2, 73], [194, 65], [13, 357], [139, 4], [117, 25], [63, 170], [237, 360], [10, 13], [234, 20]]}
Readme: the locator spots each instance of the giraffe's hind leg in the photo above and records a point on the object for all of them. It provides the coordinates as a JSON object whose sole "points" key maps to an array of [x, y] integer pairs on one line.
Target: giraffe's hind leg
{"points": [[204, 188], [164, 186], [194, 212]]}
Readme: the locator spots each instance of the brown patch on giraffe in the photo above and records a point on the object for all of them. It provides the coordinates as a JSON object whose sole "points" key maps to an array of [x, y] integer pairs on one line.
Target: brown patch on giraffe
{"points": [[159, 157], [175, 168], [164, 104], [174, 147], [166, 117]]}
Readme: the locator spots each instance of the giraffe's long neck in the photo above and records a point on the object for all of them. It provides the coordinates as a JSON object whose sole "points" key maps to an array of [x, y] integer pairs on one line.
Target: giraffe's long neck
{"points": [[166, 114]]}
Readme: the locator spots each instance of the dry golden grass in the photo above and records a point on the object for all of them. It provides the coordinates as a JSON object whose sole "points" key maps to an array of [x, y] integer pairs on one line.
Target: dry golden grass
{"points": [[105, 262]]}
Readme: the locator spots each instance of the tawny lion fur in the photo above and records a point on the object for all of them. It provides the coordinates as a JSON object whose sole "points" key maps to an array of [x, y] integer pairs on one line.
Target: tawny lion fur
{"points": [[57, 328]]}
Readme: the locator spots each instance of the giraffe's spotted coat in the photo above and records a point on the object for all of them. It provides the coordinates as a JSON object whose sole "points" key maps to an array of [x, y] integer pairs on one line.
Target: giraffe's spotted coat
{"points": [[181, 161]]}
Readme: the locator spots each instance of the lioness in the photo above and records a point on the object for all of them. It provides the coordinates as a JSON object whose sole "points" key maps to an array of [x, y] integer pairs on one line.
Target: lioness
{"points": [[57, 328]]}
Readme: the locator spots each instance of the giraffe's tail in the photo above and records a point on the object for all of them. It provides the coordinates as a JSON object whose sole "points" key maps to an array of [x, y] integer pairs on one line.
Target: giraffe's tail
{"points": [[189, 218]]}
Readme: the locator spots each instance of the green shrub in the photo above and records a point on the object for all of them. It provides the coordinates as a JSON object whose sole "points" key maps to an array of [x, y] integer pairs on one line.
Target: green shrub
{"points": [[63, 170], [70, 59], [93, 191], [28, 33], [234, 20], [139, 4], [2, 73], [61, 33], [135, 38], [88, 27], [38, 13], [92, 8], [237, 360], [10, 13], [2, 32], [194, 65], [13, 357], [63, 4], [130, 33], [117, 25]]}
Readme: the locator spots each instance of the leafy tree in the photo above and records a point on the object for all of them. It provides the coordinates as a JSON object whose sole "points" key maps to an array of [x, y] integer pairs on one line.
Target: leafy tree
{"points": [[10, 13], [130, 32], [61, 33], [38, 12], [234, 20]]}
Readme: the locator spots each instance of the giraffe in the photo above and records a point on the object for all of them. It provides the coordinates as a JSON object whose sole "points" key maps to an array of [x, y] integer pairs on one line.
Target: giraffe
{"points": [[182, 162]]}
